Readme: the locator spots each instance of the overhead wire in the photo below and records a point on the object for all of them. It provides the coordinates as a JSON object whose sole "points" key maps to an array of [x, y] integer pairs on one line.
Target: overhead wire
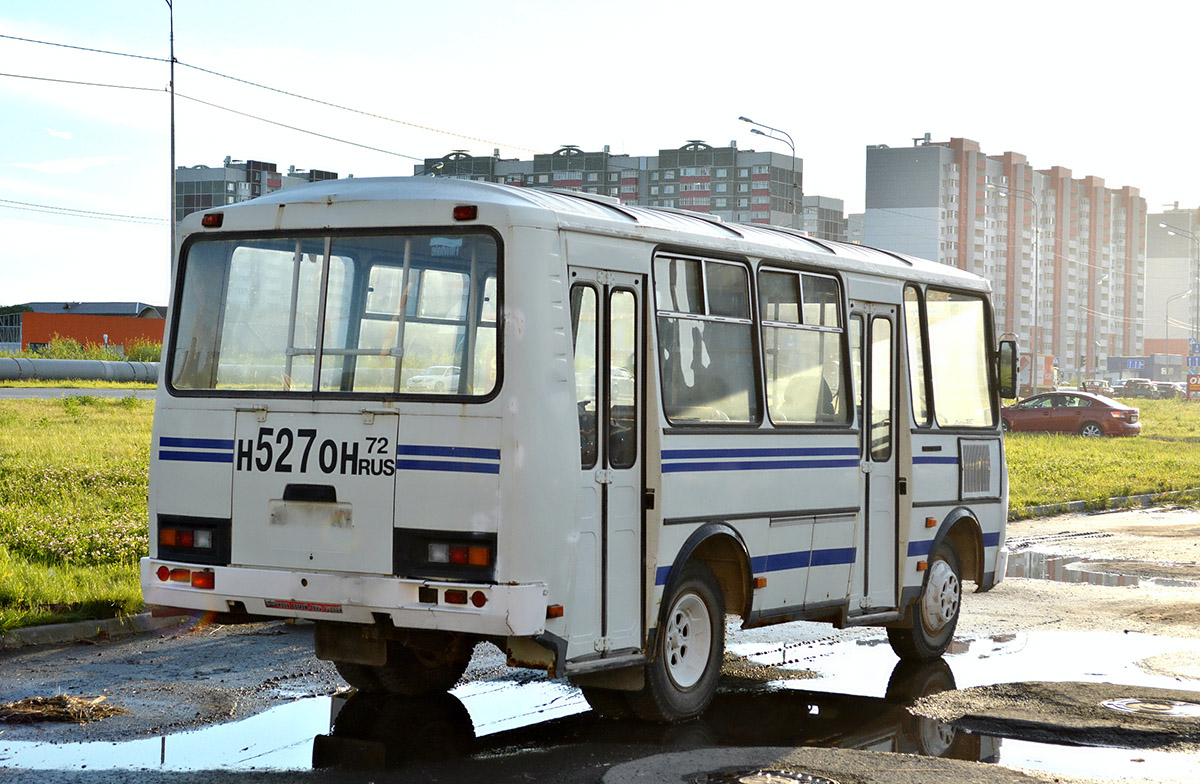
{"points": [[49, 208]]}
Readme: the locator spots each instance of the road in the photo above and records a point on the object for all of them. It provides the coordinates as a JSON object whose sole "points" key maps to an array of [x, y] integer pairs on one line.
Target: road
{"points": [[1021, 688]]}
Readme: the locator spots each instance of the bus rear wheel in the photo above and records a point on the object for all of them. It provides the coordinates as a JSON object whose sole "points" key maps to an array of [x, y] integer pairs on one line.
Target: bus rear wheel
{"points": [[681, 679], [933, 617], [413, 671]]}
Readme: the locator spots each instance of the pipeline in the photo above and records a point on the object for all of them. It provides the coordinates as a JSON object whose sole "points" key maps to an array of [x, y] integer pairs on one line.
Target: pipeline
{"points": [[16, 369]]}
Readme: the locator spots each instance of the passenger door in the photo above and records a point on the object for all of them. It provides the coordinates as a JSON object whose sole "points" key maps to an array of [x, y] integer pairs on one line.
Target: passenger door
{"points": [[873, 345], [606, 315]]}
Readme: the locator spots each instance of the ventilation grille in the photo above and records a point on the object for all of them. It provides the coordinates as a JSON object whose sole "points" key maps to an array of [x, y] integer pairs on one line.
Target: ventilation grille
{"points": [[976, 468]]}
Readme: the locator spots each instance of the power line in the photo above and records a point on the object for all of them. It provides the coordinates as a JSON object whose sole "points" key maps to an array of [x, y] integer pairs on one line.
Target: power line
{"points": [[85, 84], [261, 87], [72, 212], [352, 109], [84, 48], [300, 130]]}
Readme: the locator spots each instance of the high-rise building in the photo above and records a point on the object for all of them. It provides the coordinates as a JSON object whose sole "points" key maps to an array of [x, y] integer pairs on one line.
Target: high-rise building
{"points": [[996, 216], [1172, 280], [202, 187], [742, 186]]}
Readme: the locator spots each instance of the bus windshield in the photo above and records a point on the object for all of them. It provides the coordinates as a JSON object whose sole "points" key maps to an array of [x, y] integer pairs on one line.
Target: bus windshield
{"points": [[338, 314]]}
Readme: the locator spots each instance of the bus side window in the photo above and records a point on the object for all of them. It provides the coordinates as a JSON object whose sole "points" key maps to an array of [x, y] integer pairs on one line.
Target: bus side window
{"points": [[583, 329]]}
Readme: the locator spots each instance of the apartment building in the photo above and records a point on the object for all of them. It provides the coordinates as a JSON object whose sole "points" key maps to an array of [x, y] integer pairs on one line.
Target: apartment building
{"points": [[742, 186], [202, 187], [1065, 255]]}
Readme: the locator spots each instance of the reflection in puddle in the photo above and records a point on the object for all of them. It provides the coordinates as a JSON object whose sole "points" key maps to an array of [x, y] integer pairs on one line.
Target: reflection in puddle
{"points": [[857, 701], [1076, 569]]}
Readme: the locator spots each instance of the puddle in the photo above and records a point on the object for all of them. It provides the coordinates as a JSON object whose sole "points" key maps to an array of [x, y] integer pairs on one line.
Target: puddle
{"points": [[1076, 569], [857, 701]]}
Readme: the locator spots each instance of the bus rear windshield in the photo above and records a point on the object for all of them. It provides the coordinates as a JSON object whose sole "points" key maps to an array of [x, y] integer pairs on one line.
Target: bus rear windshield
{"points": [[383, 314]]}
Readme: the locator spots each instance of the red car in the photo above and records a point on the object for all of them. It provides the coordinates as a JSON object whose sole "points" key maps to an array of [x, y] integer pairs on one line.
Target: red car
{"points": [[1072, 412]]}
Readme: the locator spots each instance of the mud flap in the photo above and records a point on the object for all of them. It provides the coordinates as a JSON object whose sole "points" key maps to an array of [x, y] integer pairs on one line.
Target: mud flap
{"points": [[345, 642]]}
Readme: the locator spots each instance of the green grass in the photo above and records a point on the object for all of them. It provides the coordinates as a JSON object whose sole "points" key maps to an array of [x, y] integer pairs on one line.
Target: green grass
{"points": [[1048, 469], [73, 488]]}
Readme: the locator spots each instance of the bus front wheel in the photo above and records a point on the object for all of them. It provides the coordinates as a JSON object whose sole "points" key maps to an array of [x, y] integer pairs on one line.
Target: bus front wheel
{"points": [[681, 679], [934, 616]]}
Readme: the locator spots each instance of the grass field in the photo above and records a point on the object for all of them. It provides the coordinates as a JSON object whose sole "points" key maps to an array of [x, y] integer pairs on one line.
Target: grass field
{"points": [[73, 493], [72, 507]]}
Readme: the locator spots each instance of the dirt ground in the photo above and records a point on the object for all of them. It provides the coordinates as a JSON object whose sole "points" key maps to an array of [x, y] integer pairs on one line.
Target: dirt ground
{"points": [[1151, 543], [196, 676]]}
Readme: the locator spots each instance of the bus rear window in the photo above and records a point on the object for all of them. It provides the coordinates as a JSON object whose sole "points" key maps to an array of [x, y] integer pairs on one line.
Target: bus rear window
{"points": [[412, 314]]}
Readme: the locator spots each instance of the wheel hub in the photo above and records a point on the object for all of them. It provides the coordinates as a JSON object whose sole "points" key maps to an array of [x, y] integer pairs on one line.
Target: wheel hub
{"points": [[688, 641], [939, 606]]}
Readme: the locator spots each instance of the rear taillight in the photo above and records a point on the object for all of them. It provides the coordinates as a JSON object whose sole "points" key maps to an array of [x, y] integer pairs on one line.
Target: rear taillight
{"points": [[459, 554], [190, 538]]}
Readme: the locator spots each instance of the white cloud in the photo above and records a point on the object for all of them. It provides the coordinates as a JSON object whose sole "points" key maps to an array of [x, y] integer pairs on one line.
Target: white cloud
{"points": [[68, 165], [59, 134]]}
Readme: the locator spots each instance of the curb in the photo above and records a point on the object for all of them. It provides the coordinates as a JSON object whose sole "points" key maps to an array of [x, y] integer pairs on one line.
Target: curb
{"points": [[1111, 504], [109, 628]]}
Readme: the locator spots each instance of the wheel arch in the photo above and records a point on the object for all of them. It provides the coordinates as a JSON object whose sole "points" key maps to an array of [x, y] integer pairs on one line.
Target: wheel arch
{"points": [[720, 547], [962, 531]]}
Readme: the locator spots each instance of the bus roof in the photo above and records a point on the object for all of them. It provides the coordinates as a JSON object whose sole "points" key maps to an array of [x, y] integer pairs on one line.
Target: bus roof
{"points": [[325, 203]]}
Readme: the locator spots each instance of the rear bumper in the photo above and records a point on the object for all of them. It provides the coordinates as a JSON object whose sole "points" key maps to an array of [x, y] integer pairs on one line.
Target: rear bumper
{"points": [[508, 610]]}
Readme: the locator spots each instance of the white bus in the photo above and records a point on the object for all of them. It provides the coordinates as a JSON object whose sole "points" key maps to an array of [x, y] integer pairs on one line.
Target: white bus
{"points": [[425, 413]]}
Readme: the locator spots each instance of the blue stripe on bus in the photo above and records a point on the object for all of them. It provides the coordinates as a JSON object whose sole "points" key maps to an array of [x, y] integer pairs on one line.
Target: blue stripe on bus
{"points": [[924, 547], [811, 451], [196, 443], [778, 562], [756, 465], [455, 466], [423, 450], [920, 548], [935, 460], [195, 457]]}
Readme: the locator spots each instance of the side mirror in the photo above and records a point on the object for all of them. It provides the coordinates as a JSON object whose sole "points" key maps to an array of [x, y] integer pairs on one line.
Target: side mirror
{"points": [[1007, 370]]}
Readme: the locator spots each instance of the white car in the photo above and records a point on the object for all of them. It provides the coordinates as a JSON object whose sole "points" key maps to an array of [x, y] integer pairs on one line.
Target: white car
{"points": [[438, 378]]}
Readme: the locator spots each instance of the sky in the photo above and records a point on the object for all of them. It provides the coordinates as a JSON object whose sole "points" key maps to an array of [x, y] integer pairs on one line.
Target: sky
{"points": [[1103, 89]]}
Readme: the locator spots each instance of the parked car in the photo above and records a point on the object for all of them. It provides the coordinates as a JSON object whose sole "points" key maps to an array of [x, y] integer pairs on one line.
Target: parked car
{"points": [[438, 378], [1170, 389], [1098, 386], [1072, 412], [1135, 388]]}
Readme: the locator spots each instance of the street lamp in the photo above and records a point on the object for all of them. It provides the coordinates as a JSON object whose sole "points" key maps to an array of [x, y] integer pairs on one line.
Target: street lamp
{"points": [[1037, 243], [791, 144], [1195, 272]]}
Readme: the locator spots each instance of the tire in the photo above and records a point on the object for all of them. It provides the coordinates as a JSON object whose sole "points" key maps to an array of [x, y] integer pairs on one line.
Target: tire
{"points": [[360, 676], [1091, 430], [1006, 425], [439, 387], [609, 703], [411, 671], [690, 647], [934, 616]]}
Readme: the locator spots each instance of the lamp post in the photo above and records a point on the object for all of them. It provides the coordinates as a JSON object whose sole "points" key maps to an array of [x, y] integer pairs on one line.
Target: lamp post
{"points": [[1037, 243], [1195, 271], [171, 15], [791, 144]]}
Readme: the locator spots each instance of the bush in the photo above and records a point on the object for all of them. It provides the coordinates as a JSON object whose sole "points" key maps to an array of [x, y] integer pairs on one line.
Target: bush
{"points": [[68, 348]]}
